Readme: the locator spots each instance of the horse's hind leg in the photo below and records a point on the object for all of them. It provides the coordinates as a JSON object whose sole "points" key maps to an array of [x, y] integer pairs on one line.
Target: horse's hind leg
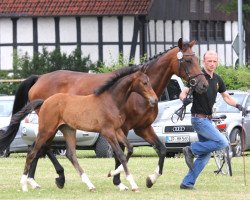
{"points": [[119, 168], [125, 143], [149, 135], [60, 181], [120, 155], [70, 137]]}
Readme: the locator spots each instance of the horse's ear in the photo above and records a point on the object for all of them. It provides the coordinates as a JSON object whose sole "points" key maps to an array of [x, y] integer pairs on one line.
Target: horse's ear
{"points": [[191, 44], [180, 43]]}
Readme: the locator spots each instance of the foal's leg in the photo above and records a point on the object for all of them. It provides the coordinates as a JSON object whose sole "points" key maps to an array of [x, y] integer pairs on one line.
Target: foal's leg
{"points": [[70, 137], [29, 159], [111, 137]]}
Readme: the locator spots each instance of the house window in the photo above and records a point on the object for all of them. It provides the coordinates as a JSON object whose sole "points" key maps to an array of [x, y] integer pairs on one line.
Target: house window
{"points": [[194, 30], [207, 30], [207, 6], [203, 31], [220, 34], [193, 6], [212, 31]]}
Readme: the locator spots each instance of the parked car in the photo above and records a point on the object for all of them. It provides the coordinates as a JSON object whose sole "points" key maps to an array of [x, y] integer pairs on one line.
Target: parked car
{"points": [[18, 145], [181, 134], [95, 141], [238, 128]]}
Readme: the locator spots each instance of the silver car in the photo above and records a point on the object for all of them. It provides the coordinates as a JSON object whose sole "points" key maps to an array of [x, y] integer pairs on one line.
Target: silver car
{"points": [[237, 127], [18, 145]]}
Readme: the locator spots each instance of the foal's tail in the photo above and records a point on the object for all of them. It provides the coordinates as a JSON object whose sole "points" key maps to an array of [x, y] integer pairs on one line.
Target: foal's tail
{"points": [[8, 135], [21, 96]]}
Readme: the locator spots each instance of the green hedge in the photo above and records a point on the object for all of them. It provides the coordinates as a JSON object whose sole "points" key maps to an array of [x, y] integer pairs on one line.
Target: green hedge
{"points": [[235, 79]]}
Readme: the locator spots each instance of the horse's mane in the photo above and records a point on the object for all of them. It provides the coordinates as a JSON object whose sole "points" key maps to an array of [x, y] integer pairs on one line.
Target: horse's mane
{"points": [[128, 70], [118, 75]]}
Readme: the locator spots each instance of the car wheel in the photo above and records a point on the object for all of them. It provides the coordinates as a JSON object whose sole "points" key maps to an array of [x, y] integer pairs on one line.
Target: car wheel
{"points": [[235, 140], [103, 148], [170, 154], [5, 153]]}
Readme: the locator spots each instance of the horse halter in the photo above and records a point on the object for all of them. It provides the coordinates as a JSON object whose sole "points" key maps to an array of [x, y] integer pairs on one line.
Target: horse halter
{"points": [[192, 82]]}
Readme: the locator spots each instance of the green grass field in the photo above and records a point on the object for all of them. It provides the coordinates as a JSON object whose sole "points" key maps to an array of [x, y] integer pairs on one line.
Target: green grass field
{"points": [[143, 163]]}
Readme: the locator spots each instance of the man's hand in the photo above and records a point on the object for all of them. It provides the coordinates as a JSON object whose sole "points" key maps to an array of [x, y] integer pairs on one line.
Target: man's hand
{"points": [[241, 108], [187, 101]]}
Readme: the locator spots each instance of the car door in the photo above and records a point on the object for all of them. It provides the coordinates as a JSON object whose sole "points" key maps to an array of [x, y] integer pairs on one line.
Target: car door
{"points": [[246, 123]]}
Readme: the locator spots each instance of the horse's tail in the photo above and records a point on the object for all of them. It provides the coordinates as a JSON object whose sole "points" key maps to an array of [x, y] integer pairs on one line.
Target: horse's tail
{"points": [[8, 135], [21, 96]]}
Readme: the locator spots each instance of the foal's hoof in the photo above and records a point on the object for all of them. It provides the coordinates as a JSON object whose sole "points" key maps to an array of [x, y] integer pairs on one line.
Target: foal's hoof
{"points": [[149, 183], [109, 174], [60, 182]]}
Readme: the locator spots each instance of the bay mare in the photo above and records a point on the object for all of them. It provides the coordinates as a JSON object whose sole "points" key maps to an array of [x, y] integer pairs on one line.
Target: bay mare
{"points": [[159, 70], [101, 112]]}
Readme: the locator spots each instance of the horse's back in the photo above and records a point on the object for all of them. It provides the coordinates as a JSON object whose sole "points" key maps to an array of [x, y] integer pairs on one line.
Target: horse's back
{"points": [[64, 81]]}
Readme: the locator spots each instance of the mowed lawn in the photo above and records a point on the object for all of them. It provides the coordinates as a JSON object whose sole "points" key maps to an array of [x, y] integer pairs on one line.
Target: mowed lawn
{"points": [[143, 163]]}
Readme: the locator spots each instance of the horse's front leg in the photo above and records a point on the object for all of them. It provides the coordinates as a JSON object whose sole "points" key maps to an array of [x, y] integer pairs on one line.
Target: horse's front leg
{"points": [[149, 135]]}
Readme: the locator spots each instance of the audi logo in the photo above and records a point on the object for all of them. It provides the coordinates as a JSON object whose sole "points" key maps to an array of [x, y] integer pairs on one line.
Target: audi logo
{"points": [[178, 129]]}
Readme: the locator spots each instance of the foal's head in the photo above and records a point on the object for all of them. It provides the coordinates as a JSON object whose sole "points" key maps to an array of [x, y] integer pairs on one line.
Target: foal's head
{"points": [[142, 85]]}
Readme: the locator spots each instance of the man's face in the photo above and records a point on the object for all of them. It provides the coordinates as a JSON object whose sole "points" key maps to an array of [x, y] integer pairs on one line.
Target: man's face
{"points": [[210, 62]]}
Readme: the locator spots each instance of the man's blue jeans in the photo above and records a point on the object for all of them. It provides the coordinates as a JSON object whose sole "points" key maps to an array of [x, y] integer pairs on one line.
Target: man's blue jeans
{"points": [[210, 139]]}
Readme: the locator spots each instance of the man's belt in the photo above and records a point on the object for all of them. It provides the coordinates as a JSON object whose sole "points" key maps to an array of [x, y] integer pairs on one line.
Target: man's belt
{"points": [[202, 116]]}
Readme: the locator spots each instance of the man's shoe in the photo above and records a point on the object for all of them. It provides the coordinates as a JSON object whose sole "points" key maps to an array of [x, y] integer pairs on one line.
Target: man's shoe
{"points": [[189, 157], [185, 187]]}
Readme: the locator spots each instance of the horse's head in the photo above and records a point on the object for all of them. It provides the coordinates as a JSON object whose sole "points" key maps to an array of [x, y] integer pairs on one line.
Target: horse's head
{"points": [[186, 66], [142, 85]]}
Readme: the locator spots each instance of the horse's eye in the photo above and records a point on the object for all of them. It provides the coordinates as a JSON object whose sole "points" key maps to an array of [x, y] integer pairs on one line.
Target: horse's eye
{"points": [[188, 61]]}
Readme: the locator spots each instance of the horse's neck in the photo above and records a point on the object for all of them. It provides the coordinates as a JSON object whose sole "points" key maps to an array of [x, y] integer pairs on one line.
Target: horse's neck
{"points": [[121, 91], [159, 74]]}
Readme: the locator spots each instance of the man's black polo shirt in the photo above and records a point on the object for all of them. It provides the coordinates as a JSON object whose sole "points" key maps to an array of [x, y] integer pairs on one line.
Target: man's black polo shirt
{"points": [[203, 103]]}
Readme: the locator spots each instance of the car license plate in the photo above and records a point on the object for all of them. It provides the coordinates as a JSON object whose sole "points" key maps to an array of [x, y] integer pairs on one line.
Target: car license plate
{"points": [[177, 139]]}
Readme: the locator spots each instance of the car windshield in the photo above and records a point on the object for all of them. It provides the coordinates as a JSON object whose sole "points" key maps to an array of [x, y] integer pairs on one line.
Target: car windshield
{"points": [[5, 108], [222, 107]]}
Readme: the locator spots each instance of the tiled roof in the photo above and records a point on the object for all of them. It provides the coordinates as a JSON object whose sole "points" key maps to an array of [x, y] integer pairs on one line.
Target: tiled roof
{"points": [[10, 8]]}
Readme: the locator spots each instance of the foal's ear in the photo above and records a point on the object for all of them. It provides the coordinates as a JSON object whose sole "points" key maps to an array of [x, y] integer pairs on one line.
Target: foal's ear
{"points": [[180, 43]]}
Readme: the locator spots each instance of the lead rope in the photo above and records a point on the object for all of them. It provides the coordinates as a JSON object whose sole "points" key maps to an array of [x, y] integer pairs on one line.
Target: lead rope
{"points": [[181, 112]]}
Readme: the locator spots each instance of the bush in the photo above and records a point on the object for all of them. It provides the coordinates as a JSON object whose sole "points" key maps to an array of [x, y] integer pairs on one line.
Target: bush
{"points": [[235, 79], [45, 62]]}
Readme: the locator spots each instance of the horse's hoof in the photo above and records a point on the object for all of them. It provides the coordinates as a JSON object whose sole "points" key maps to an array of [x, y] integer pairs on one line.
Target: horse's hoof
{"points": [[60, 182], [92, 190], [149, 183], [136, 190], [109, 174]]}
